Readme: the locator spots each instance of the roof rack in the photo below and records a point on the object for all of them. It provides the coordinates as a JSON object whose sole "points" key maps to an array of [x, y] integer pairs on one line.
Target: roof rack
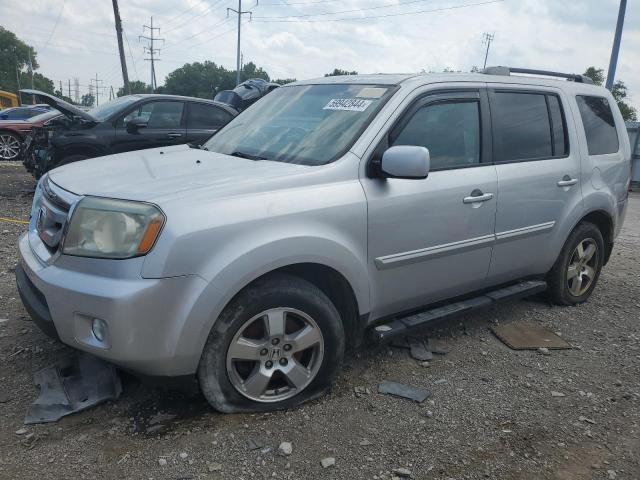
{"points": [[509, 70]]}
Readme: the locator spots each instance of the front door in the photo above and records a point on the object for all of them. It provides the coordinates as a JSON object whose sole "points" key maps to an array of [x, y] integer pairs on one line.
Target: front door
{"points": [[539, 180], [165, 126], [432, 239]]}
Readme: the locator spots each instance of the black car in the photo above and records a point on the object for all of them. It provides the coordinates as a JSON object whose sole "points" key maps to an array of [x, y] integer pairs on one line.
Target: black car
{"points": [[132, 122], [246, 93]]}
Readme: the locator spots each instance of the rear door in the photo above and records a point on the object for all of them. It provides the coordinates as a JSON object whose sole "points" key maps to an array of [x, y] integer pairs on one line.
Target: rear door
{"points": [[203, 120], [538, 167], [165, 126]]}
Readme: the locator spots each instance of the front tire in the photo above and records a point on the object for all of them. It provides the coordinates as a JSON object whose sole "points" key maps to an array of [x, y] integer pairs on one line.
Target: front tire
{"points": [[577, 269], [279, 343]]}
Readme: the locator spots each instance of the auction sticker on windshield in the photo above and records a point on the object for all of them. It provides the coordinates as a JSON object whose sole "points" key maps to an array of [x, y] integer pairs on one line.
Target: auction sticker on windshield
{"points": [[348, 104]]}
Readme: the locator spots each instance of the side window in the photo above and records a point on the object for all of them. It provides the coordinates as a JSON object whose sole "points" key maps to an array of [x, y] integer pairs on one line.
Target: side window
{"points": [[202, 116], [521, 126], [450, 130], [599, 126], [158, 114]]}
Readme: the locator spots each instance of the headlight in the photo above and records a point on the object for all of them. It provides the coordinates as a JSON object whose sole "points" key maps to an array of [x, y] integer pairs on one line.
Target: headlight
{"points": [[108, 228]]}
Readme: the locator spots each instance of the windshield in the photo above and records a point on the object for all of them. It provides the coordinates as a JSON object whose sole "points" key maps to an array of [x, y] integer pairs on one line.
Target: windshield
{"points": [[303, 124], [105, 111]]}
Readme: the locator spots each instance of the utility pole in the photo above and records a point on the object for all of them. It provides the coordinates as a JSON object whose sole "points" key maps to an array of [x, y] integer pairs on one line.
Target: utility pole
{"points": [[152, 51], [487, 39], [18, 80], [97, 88], [123, 62], [61, 92], [239, 12], [33, 98], [69, 89], [613, 62]]}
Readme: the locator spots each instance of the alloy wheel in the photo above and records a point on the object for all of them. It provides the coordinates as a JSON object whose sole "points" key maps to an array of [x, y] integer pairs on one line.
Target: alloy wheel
{"points": [[582, 268], [9, 147], [275, 355]]}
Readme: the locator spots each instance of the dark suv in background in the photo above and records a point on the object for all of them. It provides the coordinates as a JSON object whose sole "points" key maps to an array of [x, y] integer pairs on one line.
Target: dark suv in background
{"points": [[132, 122]]}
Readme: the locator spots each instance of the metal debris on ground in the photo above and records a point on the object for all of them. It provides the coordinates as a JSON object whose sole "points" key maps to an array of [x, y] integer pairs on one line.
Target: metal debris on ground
{"points": [[417, 394], [255, 444], [75, 383], [418, 349], [529, 336]]}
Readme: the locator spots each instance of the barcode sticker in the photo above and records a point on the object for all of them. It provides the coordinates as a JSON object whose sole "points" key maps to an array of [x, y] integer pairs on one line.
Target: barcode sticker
{"points": [[348, 104]]}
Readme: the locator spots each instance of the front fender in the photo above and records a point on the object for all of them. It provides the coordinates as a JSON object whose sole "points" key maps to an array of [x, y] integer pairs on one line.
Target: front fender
{"points": [[238, 272]]}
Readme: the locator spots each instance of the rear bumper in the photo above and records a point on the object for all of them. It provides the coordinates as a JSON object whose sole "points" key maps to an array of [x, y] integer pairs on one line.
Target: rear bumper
{"points": [[150, 322]]}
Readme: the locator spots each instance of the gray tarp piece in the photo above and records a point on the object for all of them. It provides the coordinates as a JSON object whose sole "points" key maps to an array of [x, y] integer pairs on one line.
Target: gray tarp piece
{"points": [[529, 336], [417, 394], [73, 384]]}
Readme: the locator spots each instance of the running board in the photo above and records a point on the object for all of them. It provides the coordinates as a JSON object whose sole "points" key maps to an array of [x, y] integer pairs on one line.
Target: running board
{"points": [[404, 325]]}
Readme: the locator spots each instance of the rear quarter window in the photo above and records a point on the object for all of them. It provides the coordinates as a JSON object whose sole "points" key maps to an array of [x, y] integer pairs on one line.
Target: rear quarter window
{"points": [[599, 125]]}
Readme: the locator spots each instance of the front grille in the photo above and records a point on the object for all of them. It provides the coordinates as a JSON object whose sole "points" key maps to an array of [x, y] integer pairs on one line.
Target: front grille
{"points": [[52, 213]]}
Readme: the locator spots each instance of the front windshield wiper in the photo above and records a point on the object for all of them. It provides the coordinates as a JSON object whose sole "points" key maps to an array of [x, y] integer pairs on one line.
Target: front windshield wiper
{"points": [[247, 156], [199, 147]]}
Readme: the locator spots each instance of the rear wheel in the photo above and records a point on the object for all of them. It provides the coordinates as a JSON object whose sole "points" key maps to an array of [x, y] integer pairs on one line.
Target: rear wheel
{"points": [[9, 146], [577, 269], [278, 343]]}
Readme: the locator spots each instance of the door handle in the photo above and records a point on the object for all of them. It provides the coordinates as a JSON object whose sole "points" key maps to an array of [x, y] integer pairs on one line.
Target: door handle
{"points": [[477, 197], [174, 135], [567, 181]]}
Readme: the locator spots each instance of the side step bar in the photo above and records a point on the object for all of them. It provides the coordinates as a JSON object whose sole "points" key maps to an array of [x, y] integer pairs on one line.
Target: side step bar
{"points": [[404, 325]]}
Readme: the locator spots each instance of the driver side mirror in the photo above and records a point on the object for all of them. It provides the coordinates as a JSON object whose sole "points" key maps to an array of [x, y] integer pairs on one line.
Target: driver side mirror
{"points": [[135, 124], [405, 161]]}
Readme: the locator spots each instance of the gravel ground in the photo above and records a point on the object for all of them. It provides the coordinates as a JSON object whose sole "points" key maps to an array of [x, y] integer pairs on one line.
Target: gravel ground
{"points": [[491, 415]]}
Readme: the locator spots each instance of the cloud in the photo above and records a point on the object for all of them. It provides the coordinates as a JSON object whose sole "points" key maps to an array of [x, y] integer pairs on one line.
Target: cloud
{"points": [[549, 34]]}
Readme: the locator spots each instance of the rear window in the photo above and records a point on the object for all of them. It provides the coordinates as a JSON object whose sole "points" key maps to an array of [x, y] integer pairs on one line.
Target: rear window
{"points": [[202, 116], [599, 126]]}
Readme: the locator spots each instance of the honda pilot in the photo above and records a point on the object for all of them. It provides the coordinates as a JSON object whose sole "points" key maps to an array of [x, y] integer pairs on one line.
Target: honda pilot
{"points": [[330, 212]]}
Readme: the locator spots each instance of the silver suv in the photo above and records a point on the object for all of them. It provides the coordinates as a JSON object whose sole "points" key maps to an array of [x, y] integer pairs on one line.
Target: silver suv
{"points": [[330, 211]]}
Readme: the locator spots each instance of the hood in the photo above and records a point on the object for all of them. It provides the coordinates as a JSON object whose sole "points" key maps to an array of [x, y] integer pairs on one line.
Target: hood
{"points": [[60, 105], [162, 173]]}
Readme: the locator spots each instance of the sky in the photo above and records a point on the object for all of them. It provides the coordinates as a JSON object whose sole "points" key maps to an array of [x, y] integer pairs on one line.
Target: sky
{"points": [[308, 38]]}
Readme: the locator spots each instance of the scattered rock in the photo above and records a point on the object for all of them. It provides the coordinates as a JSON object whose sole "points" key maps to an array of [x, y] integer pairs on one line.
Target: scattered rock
{"points": [[360, 391], [365, 443], [254, 444], [611, 474], [22, 431], [588, 420], [557, 394], [285, 448], [214, 467], [544, 351], [425, 364], [184, 455], [328, 462], [402, 472], [440, 381], [162, 462]]}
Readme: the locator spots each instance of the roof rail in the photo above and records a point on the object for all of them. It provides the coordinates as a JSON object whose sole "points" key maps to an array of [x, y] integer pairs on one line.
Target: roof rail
{"points": [[509, 70]]}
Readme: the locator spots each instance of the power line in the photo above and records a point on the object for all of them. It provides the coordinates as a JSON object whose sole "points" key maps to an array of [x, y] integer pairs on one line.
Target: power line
{"points": [[173, 45], [151, 50], [433, 10], [135, 69], [389, 5], [194, 17], [55, 26]]}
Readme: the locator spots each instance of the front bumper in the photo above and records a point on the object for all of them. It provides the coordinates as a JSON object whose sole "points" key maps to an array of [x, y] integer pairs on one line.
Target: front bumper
{"points": [[153, 324]]}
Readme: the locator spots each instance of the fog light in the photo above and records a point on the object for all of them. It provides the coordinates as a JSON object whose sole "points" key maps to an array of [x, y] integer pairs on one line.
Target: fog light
{"points": [[99, 329]]}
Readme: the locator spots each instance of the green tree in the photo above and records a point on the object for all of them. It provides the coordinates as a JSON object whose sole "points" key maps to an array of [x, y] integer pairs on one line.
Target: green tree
{"points": [[619, 92], [14, 57], [136, 87], [87, 100], [205, 79], [337, 71]]}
